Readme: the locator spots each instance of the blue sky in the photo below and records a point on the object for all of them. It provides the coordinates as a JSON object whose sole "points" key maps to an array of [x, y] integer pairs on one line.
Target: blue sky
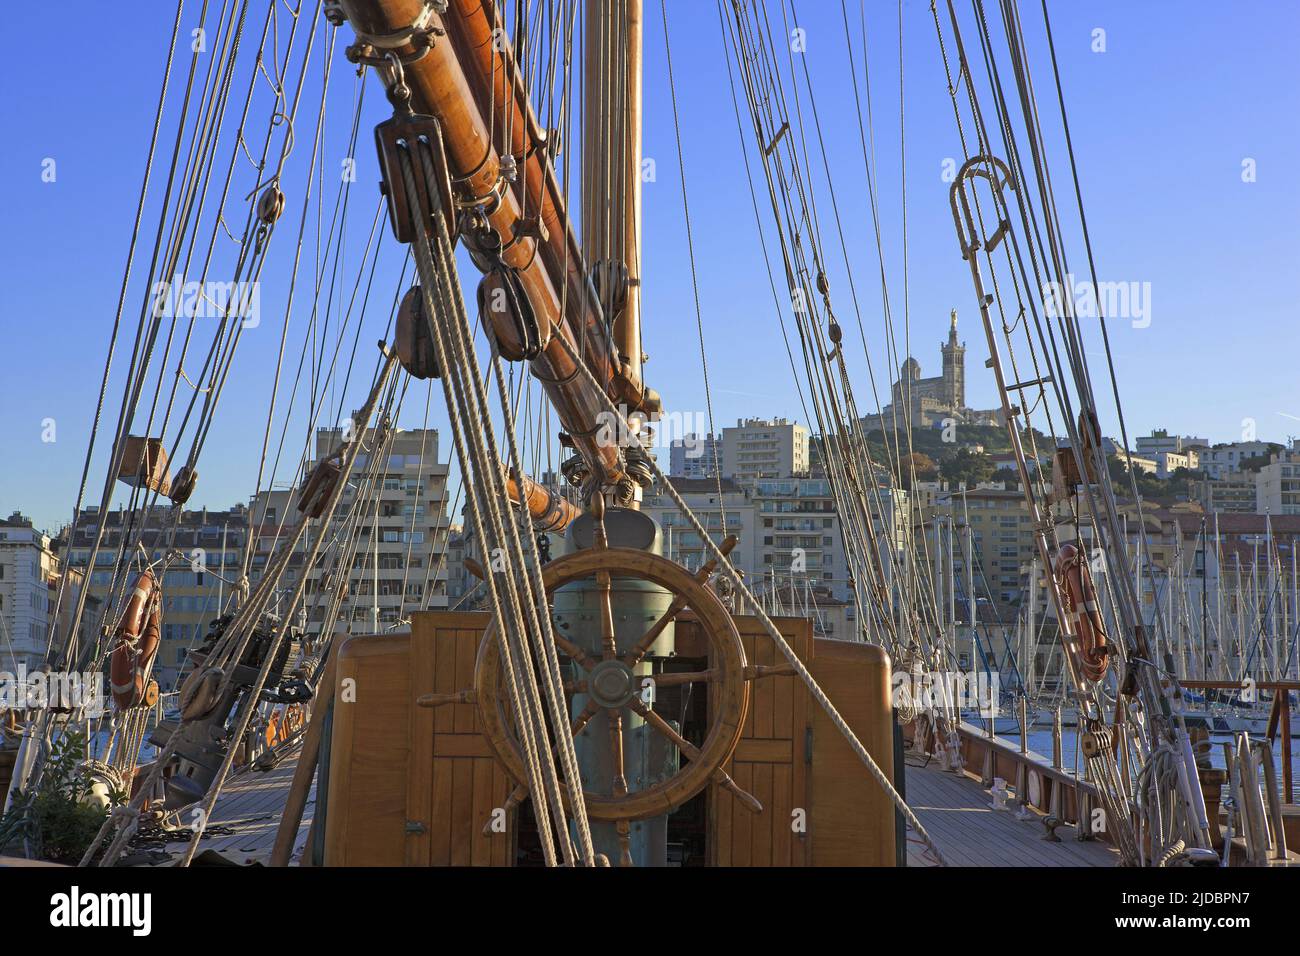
{"points": [[1162, 121]]}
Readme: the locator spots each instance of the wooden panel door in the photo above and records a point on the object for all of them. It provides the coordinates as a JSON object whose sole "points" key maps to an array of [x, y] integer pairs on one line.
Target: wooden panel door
{"points": [[368, 753], [770, 762], [454, 782], [852, 818]]}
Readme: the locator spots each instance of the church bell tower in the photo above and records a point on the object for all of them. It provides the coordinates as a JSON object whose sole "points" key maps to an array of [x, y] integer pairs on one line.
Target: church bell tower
{"points": [[954, 367]]}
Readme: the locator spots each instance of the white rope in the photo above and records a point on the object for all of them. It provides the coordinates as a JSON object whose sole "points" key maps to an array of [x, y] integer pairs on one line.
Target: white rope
{"points": [[729, 570], [476, 448]]}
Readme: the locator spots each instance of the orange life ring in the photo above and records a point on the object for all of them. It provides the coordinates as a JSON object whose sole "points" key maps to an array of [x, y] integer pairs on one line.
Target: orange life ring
{"points": [[284, 722], [136, 643], [271, 735], [1075, 580]]}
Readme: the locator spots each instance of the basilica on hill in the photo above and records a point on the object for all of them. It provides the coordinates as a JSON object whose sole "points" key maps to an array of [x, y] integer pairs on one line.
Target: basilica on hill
{"points": [[928, 402]]}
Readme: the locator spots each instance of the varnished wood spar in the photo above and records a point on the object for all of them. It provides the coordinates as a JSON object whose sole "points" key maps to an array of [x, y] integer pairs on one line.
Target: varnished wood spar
{"points": [[440, 85], [497, 81], [611, 184], [296, 801], [548, 510]]}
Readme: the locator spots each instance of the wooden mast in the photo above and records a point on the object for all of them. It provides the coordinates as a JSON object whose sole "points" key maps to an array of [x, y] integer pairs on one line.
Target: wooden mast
{"points": [[460, 70], [611, 160]]}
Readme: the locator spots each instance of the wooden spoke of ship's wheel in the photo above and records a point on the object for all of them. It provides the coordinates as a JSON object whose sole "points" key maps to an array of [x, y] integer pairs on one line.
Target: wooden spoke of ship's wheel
{"points": [[604, 591], [520, 792], [618, 787], [677, 678], [574, 652], [642, 646], [685, 677], [611, 684], [517, 796], [624, 828], [584, 718], [720, 776]]}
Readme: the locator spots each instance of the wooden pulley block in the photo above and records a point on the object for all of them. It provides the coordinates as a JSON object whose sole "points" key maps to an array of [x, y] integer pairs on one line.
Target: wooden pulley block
{"points": [[144, 464], [318, 487], [414, 339], [415, 136], [1065, 474], [183, 484], [200, 692], [1090, 435], [612, 685], [270, 205], [505, 310], [150, 693], [611, 280]]}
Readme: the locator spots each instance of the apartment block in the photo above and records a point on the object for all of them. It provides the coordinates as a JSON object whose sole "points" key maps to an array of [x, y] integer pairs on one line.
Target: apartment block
{"points": [[29, 579], [396, 549], [758, 448], [1002, 536], [200, 551], [735, 511], [695, 456], [1230, 493], [1222, 461], [1160, 441], [1277, 486], [1168, 462]]}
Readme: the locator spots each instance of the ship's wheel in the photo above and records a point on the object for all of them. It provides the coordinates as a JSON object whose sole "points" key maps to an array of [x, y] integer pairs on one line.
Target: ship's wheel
{"points": [[611, 684]]}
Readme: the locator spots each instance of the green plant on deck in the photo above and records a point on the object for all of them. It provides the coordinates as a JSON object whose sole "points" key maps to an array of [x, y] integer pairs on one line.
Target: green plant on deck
{"points": [[50, 821]]}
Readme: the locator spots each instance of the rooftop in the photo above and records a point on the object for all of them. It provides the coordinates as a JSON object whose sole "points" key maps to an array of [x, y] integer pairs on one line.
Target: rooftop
{"points": [[704, 485]]}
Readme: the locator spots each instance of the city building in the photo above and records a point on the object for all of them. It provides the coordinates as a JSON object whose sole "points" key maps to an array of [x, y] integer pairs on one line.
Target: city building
{"points": [[1221, 461], [1159, 441], [831, 617], [202, 552], [758, 448], [695, 456], [1002, 536], [1168, 462], [1231, 493], [1147, 466], [459, 580], [29, 581], [398, 546], [735, 510], [800, 538], [1277, 485]]}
